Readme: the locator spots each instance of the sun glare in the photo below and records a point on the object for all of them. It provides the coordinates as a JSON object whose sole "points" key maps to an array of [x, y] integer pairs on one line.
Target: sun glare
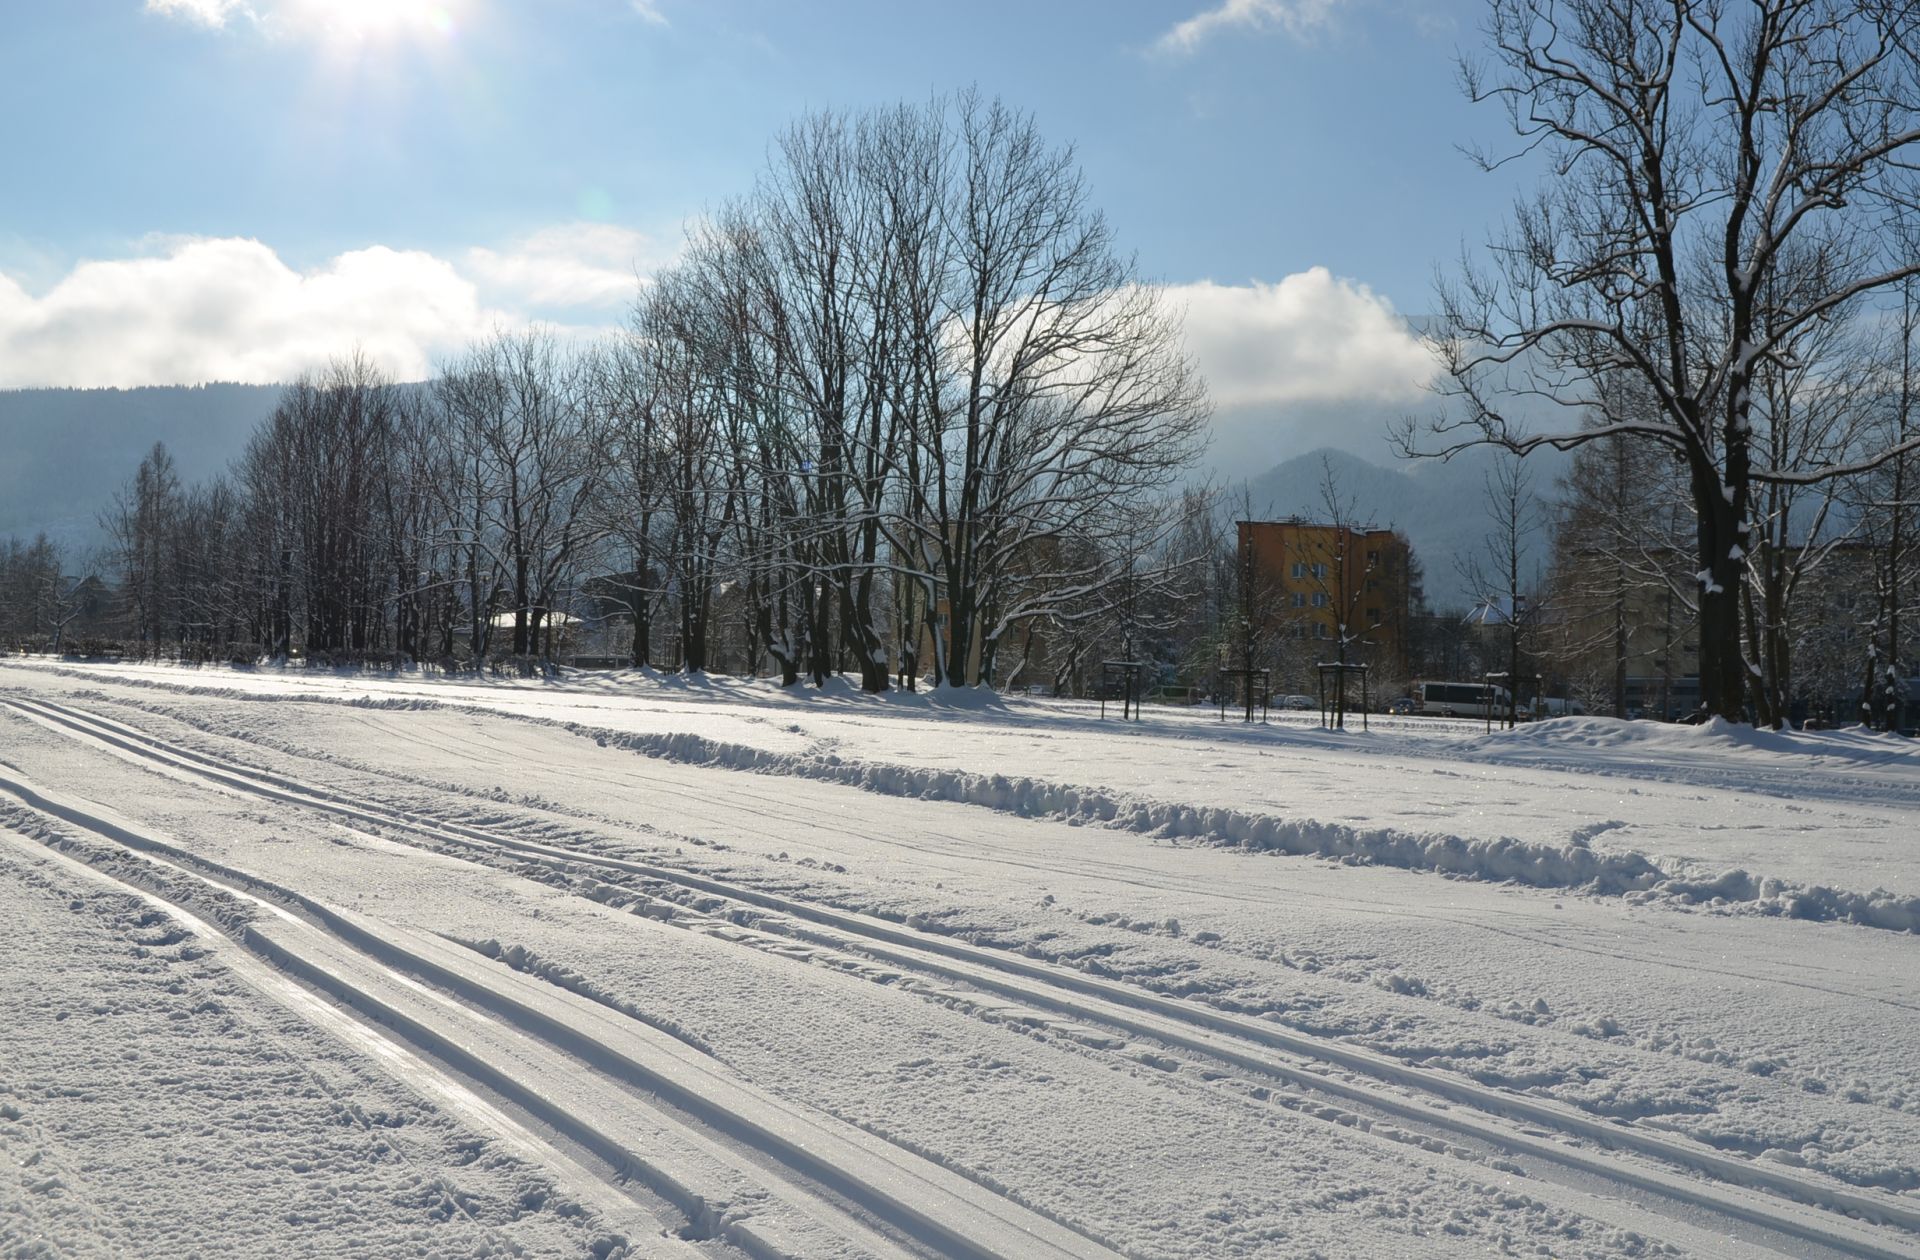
{"points": [[376, 21]]}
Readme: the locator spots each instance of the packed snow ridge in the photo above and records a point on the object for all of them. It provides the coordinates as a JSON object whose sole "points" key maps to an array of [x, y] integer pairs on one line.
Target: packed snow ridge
{"points": [[1572, 865]]}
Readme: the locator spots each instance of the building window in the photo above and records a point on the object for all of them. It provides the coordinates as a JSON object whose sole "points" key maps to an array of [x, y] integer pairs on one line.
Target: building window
{"points": [[1299, 599], [1319, 629], [1319, 570], [1319, 599], [1299, 569], [1373, 615]]}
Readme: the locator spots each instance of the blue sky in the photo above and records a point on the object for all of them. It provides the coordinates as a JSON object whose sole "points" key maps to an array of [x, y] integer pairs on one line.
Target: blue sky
{"points": [[230, 187]]}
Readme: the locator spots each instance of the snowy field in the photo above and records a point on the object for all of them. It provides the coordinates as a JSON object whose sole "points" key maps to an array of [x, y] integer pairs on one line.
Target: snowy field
{"points": [[621, 965]]}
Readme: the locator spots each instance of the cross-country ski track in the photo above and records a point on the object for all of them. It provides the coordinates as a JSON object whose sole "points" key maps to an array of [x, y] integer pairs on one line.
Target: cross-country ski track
{"points": [[625, 1091], [517, 1036]]}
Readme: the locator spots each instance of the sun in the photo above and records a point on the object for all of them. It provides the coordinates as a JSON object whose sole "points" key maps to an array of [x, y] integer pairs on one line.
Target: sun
{"points": [[362, 22]]}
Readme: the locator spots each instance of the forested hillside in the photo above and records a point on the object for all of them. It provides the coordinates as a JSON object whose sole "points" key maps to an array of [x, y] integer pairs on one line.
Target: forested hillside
{"points": [[69, 449]]}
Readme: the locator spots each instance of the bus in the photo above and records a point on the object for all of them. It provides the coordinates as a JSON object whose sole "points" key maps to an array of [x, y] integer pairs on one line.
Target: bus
{"points": [[1460, 699]]}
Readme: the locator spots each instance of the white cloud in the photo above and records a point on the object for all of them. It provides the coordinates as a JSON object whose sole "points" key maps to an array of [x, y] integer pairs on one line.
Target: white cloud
{"points": [[572, 265], [649, 11], [1297, 18], [1312, 337], [199, 309], [229, 309], [205, 12]]}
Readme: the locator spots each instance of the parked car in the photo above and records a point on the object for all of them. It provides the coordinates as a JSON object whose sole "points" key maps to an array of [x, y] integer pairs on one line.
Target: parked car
{"points": [[1295, 702], [1403, 705]]}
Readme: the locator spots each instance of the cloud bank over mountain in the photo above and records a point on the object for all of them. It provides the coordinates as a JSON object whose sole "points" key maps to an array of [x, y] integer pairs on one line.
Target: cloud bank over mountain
{"points": [[1311, 337], [1308, 360], [189, 310]]}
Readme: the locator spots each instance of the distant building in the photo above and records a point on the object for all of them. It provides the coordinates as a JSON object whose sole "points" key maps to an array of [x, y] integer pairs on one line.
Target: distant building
{"points": [[1309, 580]]}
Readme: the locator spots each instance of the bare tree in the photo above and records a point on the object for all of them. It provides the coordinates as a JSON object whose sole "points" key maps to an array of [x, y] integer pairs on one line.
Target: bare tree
{"points": [[38, 599], [696, 343], [1052, 398], [417, 528], [1613, 559], [141, 525], [1507, 601], [1206, 615], [1341, 568], [1883, 504], [1811, 408], [209, 594], [534, 445], [632, 505], [823, 290], [1697, 152], [314, 475]]}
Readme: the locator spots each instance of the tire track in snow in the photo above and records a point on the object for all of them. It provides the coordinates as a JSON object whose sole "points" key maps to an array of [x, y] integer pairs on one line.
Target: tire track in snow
{"points": [[1720, 1184]]}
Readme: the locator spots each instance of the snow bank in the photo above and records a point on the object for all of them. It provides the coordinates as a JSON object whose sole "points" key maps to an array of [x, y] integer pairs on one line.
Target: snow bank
{"points": [[1572, 865], [838, 688], [1716, 735]]}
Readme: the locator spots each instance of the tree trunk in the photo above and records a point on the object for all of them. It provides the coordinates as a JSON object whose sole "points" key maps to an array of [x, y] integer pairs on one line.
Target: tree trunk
{"points": [[1723, 668], [858, 629], [1619, 642]]}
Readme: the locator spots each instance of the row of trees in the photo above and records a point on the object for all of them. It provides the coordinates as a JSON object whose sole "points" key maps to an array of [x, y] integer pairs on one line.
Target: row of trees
{"points": [[903, 399], [1830, 574], [1707, 279], [1608, 608], [39, 600]]}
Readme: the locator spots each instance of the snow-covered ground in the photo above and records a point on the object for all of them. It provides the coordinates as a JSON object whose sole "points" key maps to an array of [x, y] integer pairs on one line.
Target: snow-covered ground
{"points": [[710, 968]]}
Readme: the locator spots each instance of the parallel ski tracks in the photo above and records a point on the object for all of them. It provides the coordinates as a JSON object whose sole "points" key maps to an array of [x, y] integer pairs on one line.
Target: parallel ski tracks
{"points": [[1673, 1169], [694, 1133]]}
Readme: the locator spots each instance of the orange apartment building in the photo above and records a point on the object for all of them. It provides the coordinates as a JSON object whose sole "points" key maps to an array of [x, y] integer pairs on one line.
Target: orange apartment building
{"points": [[1309, 579]]}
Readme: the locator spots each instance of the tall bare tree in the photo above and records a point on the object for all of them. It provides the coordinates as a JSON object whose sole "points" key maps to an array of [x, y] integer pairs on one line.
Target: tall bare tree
{"points": [[1052, 397], [520, 403], [1884, 503], [141, 525], [1812, 408], [1613, 560], [1696, 151], [1508, 600]]}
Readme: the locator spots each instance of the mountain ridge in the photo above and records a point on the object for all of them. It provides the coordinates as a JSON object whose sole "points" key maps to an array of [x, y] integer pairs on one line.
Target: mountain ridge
{"points": [[69, 450]]}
